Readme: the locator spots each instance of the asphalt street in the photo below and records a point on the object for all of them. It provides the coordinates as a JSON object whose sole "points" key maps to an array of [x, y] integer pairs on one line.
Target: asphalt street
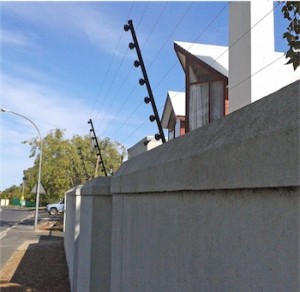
{"points": [[17, 227], [10, 216]]}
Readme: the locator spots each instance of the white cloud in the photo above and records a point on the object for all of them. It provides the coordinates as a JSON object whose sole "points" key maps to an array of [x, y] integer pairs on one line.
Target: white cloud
{"points": [[78, 19], [47, 108], [14, 38]]}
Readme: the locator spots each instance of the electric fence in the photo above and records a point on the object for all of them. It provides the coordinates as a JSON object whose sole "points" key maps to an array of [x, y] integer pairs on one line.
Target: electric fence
{"points": [[96, 145], [145, 80]]}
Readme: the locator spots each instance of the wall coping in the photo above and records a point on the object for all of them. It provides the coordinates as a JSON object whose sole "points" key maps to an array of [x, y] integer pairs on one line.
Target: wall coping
{"points": [[75, 191], [254, 147], [97, 186]]}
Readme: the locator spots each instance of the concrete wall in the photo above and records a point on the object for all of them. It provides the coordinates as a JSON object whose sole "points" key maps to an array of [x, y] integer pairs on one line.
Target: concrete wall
{"points": [[87, 235], [215, 210], [234, 240], [72, 231], [140, 148], [4, 202]]}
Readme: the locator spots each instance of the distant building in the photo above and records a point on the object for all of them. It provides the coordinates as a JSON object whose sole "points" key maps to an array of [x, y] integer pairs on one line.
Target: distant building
{"points": [[146, 144], [173, 116], [206, 72]]}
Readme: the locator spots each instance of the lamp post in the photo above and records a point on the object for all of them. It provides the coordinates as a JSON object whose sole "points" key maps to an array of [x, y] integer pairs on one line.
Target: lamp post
{"points": [[40, 165]]}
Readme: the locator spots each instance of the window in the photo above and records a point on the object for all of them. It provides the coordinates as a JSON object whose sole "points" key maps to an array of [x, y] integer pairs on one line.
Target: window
{"points": [[206, 96], [177, 128], [171, 134], [198, 105], [216, 100]]}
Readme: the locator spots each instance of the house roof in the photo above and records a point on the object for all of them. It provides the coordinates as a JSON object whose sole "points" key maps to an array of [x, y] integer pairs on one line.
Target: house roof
{"points": [[214, 56], [175, 102]]}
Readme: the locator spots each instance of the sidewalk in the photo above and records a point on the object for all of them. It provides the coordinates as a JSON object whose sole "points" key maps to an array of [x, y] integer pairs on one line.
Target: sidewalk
{"points": [[38, 260]]}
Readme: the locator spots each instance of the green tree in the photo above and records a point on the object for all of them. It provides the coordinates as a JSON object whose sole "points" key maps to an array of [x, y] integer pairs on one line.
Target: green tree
{"points": [[55, 165], [291, 11], [69, 162], [85, 159], [113, 154], [11, 192]]}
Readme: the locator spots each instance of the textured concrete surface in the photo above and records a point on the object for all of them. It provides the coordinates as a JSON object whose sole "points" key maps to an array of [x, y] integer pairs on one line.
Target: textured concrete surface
{"points": [[88, 235], [215, 210], [257, 146], [234, 240], [72, 231]]}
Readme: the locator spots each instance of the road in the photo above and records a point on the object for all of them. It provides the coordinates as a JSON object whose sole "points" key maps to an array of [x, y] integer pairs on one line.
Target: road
{"points": [[10, 216], [15, 222], [17, 228]]}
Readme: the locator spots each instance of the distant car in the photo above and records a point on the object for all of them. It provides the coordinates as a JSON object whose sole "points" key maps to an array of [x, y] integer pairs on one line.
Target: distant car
{"points": [[56, 207]]}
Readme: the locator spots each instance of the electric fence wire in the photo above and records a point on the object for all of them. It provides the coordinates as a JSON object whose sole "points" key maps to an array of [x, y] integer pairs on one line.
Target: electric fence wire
{"points": [[151, 32], [142, 124], [174, 65], [131, 70], [170, 69], [196, 39], [109, 68], [115, 97], [127, 119], [256, 72], [247, 32], [170, 35], [154, 26], [264, 67], [153, 60], [119, 68]]}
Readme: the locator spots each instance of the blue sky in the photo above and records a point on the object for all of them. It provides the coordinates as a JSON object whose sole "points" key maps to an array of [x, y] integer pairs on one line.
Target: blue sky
{"points": [[63, 63]]}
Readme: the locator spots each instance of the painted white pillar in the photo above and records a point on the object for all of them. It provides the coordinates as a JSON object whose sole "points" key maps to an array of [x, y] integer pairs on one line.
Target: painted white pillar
{"points": [[255, 69], [251, 41], [72, 232]]}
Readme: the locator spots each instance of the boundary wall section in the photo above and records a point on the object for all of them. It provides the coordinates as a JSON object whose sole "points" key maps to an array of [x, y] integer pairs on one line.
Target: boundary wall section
{"points": [[214, 210], [72, 231], [91, 256]]}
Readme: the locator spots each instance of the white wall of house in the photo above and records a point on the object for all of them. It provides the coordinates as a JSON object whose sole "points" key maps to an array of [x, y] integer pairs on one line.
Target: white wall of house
{"points": [[252, 73]]}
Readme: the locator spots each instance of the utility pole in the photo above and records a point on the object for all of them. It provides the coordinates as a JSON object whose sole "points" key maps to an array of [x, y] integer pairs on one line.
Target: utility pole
{"points": [[40, 165]]}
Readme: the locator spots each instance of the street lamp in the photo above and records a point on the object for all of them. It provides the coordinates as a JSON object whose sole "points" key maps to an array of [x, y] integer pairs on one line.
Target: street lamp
{"points": [[40, 165]]}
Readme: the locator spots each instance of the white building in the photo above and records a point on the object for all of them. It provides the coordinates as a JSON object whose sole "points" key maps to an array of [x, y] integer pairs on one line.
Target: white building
{"points": [[144, 145], [173, 116], [255, 69], [206, 78]]}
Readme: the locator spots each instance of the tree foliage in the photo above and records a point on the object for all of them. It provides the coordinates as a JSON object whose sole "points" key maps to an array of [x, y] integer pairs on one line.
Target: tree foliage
{"points": [[69, 162], [291, 11], [11, 192]]}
